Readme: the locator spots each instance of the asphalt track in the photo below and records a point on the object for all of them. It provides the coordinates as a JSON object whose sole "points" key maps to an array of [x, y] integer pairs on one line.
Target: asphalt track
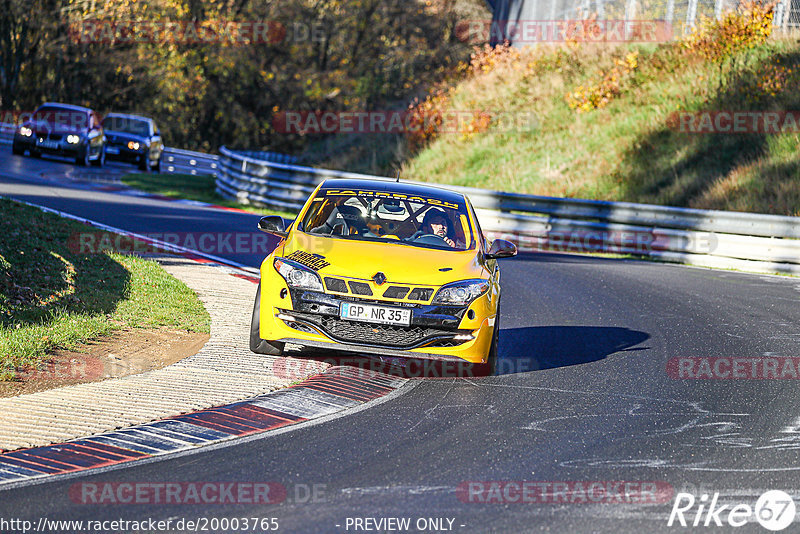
{"points": [[584, 395]]}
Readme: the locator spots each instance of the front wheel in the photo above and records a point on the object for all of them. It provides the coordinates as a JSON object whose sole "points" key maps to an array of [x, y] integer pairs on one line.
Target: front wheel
{"points": [[258, 345], [490, 367], [101, 158], [83, 159], [16, 150]]}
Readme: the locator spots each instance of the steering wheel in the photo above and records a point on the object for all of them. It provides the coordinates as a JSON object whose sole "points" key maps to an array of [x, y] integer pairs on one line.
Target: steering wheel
{"points": [[427, 238]]}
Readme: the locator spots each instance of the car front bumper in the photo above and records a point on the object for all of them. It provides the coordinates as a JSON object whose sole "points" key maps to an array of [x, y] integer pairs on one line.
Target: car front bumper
{"points": [[309, 320], [123, 153], [61, 148]]}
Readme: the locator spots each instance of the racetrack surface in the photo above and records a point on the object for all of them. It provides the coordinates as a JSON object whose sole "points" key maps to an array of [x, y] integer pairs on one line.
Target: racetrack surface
{"points": [[584, 395]]}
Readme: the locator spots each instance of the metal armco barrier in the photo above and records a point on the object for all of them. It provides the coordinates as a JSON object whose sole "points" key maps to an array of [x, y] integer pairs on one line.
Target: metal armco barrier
{"points": [[177, 161], [6, 133], [719, 239]]}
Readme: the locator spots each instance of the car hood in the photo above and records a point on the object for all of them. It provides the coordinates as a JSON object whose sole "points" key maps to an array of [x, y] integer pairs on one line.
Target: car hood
{"points": [[45, 129], [402, 264]]}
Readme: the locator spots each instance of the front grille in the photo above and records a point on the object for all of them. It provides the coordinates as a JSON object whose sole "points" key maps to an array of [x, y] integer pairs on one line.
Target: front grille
{"points": [[399, 336], [395, 292], [360, 288], [335, 284], [376, 334], [421, 293]]}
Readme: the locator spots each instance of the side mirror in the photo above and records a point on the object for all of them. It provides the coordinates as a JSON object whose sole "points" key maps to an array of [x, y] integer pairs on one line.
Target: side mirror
{"points": [[273, 224], [501, 249]]}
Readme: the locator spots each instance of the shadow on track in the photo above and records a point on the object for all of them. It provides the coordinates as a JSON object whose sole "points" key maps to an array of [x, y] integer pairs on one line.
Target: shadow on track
{"points": [[547, 347], [521, 350]]}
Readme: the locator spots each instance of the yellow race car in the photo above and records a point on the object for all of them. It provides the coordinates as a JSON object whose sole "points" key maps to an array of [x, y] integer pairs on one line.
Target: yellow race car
{"points": [[381, 268]]}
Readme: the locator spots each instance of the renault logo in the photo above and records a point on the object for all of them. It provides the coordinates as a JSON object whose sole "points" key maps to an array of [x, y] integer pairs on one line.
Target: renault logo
{"points": [[379, 278]]}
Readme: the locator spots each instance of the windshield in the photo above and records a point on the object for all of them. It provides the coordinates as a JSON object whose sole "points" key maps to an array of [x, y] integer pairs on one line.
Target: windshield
{"points": [[60, 119], [364, 215], [127, 125]]}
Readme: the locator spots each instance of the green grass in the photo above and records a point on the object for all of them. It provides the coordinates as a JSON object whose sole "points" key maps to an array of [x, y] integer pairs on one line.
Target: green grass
{"points": [[187, 186], [627, 151], [51, 297]]}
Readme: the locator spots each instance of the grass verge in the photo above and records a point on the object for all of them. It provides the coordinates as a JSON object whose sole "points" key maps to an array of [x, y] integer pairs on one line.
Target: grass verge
{"points": [[191, 187], [51, 297]]}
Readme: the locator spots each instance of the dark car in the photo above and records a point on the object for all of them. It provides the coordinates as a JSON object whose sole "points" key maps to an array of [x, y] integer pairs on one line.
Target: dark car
{"points": [[134, 139], [64, 130]]}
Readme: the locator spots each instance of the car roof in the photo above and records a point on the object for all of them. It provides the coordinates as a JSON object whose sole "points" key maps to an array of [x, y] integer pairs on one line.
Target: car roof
{"points": [[393, 187], [65, 106], [129, 116]]}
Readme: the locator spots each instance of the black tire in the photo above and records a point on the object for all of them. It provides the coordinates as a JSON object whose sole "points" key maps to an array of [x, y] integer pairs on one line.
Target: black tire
{"points": [[16, 150], [258, 345], [157, 166], [84, 159], [144, 163], [490, 367], [101, 158]]}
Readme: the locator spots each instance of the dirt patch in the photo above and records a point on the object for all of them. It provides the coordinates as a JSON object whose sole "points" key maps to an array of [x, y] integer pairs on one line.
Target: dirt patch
{"points": [[125, 352]]}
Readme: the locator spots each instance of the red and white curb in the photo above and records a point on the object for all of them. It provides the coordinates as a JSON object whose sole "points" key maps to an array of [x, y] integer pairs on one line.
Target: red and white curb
{"points": [[335, 390]]}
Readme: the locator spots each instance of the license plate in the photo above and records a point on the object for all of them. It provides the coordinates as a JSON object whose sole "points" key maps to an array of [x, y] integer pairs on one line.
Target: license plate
{"points": [[47, 144], [353, 311], [112, 150]]}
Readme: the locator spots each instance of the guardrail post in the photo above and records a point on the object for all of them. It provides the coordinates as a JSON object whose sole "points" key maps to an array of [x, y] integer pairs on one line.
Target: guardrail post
{"points": [[691, 13], [600, 6], [630, 14]]}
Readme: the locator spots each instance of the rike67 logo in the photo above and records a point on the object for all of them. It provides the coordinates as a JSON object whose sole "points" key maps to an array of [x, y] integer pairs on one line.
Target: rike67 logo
{"points": [[774, 510]]}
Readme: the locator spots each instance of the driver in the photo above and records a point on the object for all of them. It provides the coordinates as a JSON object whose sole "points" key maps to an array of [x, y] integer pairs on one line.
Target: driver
{"points": [[435, 222]]}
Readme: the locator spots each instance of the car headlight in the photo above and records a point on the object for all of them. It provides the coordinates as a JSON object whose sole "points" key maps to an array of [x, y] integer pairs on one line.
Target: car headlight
{"points": [[298, 276], [133, 145], [73, 139], [460, 293], [24, 131]]}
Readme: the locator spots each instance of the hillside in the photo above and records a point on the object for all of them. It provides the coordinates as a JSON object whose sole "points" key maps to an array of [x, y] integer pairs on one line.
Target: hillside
{"points": [[608, 120]]}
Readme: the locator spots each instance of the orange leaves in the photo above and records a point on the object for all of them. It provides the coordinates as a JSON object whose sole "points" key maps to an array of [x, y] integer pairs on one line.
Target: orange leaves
{"points": [[749, 25], [598, 93], [425, 118]]}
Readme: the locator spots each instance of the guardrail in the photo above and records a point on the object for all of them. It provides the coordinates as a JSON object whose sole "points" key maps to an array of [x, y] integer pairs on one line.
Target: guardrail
{"points": [[720, 239], [6, 133], [709, 238], [177, 161]]}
